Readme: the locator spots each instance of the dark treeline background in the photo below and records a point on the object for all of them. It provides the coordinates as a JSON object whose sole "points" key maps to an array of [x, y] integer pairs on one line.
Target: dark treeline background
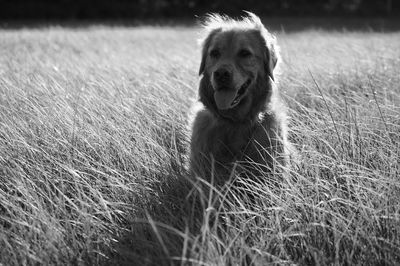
{"points": [[145, 9]]}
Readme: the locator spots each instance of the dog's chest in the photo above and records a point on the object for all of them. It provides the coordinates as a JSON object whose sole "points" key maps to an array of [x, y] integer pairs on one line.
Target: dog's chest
{"points": [[228, 142]]}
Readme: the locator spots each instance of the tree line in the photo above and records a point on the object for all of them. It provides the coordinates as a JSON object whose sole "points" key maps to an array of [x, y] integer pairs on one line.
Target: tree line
{"points": [[141, 9]]}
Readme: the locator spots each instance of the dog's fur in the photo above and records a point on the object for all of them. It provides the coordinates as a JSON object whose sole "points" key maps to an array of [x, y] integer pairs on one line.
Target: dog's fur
{"points": [[253, 131]]}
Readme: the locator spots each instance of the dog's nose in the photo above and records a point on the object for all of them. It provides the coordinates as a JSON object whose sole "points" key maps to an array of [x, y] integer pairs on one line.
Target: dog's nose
{"points": [[222, 76]]}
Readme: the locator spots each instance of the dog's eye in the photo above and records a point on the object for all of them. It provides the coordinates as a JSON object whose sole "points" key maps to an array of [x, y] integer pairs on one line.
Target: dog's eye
{"points": [[215, 53], [244, 53]]}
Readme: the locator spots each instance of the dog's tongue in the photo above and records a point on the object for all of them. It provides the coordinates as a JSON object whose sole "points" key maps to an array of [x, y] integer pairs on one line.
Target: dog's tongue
{"points": [[224, 98]]}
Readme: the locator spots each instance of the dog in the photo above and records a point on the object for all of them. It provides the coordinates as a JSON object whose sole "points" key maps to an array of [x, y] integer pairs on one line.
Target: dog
{"points": [[242, 121]]}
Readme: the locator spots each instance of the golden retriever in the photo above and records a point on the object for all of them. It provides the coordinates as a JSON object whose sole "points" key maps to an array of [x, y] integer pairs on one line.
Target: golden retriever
{"points": [[242, 121]]}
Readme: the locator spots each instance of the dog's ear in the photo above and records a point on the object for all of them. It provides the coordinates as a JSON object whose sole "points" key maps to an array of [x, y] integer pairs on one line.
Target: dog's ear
{"points": [[205, 46], [270, 59], [271, 52]]}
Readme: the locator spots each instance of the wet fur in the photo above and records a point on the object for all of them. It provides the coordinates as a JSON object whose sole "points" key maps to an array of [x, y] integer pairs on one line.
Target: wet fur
{"points": [[254, 137]]}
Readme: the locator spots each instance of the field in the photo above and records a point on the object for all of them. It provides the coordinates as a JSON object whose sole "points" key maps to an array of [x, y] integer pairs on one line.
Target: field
{"points": [[93, 150]]}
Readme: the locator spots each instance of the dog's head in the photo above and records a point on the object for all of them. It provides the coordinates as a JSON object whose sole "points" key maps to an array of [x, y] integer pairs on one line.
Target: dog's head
{"points": [[238, 62]]}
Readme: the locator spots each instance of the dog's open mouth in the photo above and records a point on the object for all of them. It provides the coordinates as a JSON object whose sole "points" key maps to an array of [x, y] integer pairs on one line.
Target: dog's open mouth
{"points": [[241, 93], [229, 98]]}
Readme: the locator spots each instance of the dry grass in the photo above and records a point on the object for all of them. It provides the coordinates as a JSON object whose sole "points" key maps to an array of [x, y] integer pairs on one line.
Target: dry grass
{"points": [[93, 142]]}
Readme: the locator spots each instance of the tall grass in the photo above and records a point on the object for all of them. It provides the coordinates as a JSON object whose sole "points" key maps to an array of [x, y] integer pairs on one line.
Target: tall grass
{"points": [[93, 145]]}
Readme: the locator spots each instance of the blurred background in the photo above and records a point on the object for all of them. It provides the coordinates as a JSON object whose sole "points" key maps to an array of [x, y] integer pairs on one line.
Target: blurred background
{"points": [[187, 9]]}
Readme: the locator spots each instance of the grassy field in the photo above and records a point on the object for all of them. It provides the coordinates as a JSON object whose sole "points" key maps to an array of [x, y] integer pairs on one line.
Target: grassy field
{"points": [[93, 145]]}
